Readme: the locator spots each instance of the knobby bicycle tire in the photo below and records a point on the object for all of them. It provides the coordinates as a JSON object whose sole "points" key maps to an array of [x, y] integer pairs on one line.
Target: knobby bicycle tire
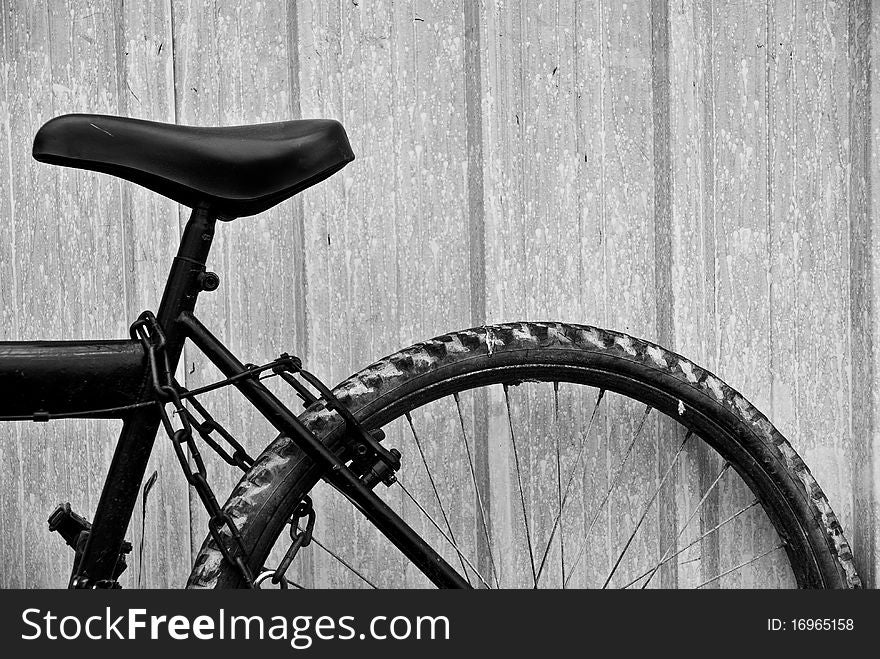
{"points": [[262, 501]]}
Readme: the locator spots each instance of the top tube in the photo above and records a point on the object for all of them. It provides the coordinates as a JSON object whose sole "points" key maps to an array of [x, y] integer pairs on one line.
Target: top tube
{"points": [[42, 378]]}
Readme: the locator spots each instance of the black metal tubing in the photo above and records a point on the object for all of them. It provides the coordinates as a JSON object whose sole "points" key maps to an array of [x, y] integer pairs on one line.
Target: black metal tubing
{"points": [[139, 429], [376, 510], [40, 378]]}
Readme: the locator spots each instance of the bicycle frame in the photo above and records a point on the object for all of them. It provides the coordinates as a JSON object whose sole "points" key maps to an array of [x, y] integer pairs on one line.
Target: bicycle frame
{"points": [[78, 379]]}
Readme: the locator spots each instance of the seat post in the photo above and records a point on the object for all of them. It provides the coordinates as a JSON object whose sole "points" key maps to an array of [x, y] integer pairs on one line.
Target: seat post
{"points": [[185, 280]]}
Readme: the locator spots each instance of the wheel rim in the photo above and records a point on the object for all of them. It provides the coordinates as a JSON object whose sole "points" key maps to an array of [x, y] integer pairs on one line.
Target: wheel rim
{"points": [[478, 565], [264, 498]]}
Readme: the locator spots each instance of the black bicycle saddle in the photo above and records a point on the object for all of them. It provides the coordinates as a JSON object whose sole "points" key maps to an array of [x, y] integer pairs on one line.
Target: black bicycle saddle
{"points": [[234, 171]]}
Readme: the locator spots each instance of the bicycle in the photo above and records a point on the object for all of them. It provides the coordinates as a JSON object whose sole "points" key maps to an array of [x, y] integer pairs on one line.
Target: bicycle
{"points": [[635, 404]]}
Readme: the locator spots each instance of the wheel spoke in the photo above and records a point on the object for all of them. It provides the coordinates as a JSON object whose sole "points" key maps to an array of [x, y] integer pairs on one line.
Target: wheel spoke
{"points": [[647, 508], [558, 492], [461, 556], [741, 565], [434, 488], [693, 514], [614, 480], [696, 540], [341, 560], [522, 496], [564, 497], [476, 489], [603, 494]]}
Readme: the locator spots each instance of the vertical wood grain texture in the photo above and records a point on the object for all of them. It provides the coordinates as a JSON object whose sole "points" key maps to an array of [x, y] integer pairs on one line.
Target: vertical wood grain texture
{"points": [[808, 136], [702, 174], [862, 186], [232, 68], [387, 240], [145, 68], [693, 230], [866, 469], [741, 206], [64, 60], [18, 60]]}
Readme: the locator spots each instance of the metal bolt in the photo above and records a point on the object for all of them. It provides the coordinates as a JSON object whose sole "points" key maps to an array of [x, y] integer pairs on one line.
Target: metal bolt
{"points": [[209, 281]]}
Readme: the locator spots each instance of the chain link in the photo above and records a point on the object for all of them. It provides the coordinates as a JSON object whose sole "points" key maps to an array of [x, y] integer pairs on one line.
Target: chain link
{"points": [[169, 393], [147, 330], [239, 456], [299, 537]]}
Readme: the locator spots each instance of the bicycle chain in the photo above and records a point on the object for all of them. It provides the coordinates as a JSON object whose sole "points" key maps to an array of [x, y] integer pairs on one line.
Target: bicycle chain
{"points": [[239, 456], [146, 329]]}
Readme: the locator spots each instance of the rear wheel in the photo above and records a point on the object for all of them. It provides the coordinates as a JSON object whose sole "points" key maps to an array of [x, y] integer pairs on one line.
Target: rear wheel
{"points": [[552, 455]]}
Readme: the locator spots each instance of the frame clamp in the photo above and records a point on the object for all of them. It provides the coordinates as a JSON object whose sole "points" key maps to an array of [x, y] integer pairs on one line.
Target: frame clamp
{"points": [[371, 461]]}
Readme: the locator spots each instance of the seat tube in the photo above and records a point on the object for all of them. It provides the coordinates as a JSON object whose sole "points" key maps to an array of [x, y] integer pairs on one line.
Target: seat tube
{"points": [[119, 496]]}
